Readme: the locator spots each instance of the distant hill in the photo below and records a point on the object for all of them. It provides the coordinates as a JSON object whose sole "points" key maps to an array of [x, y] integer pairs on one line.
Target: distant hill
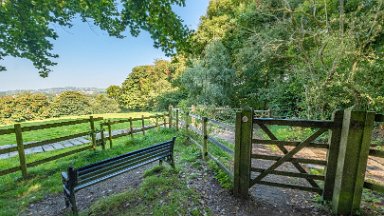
{"points": [[54, 91]]}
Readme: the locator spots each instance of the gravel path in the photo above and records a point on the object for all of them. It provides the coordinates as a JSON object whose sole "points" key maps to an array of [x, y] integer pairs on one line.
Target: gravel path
{"points": [[54, 205]]}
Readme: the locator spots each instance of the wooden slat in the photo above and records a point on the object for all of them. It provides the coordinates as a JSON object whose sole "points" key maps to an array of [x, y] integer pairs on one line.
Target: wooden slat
{"points": [[221, 165], [55, 157], [115, 174], [8, 150], [7, 131], [194, 142], [379, 118], [10, 170], [221, 124], [295, 123], [53, 125], [99, 173], [291, 174], [196, 116], [303, 188], [55, 140], [299, 160], [376, 153], [374, 186], [289, 143], [220, 145], [285, 151]]}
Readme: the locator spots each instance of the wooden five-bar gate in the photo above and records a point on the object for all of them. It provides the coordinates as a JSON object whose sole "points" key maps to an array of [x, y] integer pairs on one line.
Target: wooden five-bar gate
{"points": [[348, 148]]}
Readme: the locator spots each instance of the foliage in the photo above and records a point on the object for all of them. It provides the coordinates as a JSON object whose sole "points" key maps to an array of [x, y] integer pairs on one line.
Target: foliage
{"points": [[210, 80], [70, 103], [146, 83], [114, 92], [298, 58], [103, 104], [27, 30], [23, 107], [34, 106]]}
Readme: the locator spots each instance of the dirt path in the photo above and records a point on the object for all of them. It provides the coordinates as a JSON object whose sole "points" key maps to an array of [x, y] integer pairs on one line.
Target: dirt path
{"points": [[54, 205]]}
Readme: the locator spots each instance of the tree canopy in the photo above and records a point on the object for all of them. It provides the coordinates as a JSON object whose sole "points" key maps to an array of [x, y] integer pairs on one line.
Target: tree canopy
{"points": [[26, 29]]}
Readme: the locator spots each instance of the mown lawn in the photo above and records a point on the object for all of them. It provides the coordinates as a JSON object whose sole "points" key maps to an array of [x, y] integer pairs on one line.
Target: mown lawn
{"points": [[16, 194], [39, 135]]}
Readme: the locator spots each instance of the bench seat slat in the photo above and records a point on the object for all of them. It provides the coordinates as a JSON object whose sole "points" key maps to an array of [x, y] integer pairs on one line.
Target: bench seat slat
{"points": [[79, 187], [96, 166], [100, 173], [124, 155], [122, 163]]}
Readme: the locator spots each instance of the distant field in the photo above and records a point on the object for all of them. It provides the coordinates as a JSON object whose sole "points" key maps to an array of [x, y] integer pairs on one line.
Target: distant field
{"points": [[50, 133]]}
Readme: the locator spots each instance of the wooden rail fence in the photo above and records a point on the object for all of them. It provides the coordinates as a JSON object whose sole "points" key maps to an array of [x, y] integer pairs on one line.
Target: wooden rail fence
{"points": [[20, 148], [348, 149]]}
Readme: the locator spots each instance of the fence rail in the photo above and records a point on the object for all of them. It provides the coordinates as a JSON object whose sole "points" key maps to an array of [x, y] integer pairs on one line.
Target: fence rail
{"points": [[92, 144], [375, 186], [189, 123]]}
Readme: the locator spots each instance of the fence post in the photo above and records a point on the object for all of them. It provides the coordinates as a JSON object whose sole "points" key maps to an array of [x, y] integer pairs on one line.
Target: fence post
{"points": [[205, 138], [157, 122], [110, 133], [177, 119], [269, 113], [102, 136], [186, 121], [142, 125], [332, 154], [170, 116], [93, 135], [131, 126], [165, 121], [352, 161], [20, 149], [243, 150], [193, 110]]}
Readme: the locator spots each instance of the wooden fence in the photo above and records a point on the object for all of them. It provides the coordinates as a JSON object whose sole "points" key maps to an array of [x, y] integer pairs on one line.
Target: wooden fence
{"points": [[349, 147], [197, 129], [20, 148]]}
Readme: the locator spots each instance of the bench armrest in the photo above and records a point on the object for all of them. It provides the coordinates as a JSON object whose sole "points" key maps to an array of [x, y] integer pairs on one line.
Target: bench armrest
{"points": [[64, 176]]}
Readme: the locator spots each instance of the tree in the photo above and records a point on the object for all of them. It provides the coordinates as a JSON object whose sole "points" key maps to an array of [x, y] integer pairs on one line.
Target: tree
{"points": [[23, 107], [70, 103], [103, 104], [114, 92], [145, 83], [26, 29], [209, 81]]}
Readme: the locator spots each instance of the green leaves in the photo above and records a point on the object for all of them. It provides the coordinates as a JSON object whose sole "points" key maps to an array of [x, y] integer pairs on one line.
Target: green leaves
{"points": [[26, 26]]}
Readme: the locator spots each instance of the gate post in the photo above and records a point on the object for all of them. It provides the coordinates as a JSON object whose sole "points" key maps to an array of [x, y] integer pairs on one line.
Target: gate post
{"points": [[352, 161], [332, 154], [243, 150]]}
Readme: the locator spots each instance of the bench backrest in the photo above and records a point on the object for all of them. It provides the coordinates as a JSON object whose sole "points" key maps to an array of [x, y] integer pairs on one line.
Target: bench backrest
{"points": [[103, 170]]}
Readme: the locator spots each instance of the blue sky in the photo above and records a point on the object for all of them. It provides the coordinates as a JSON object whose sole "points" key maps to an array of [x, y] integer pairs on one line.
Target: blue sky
{"points": [[90, 58]]}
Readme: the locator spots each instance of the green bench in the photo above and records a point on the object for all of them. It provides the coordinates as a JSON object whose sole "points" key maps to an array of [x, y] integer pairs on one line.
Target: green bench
{"points": [[77, 179]]}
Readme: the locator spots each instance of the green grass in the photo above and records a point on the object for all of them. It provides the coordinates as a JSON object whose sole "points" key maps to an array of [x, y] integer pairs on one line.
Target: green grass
{"points": [[50, 133], [162, 192], [16, 194]]}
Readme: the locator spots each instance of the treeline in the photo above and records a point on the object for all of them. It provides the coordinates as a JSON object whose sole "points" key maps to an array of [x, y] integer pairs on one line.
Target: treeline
{"points": [[299, 58], [32, 106]]}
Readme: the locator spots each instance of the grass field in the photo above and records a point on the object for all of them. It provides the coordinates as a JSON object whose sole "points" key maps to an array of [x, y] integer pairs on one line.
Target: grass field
{"points": [[50, 133]]}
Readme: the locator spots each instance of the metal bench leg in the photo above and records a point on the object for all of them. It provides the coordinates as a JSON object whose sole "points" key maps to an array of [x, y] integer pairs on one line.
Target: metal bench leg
{"points": [[72, 200], [161, 162]]}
